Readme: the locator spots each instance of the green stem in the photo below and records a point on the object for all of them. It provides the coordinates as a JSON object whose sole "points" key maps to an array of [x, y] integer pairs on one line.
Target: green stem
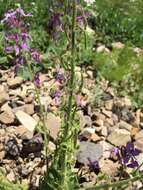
{"points": [[42, 115], [71, 86], [68, 121], [114, 184]]}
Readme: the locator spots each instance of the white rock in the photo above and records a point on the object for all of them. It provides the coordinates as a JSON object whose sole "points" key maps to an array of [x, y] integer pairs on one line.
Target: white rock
{"points": [[102, 48], [26, 120], [118, 45]]}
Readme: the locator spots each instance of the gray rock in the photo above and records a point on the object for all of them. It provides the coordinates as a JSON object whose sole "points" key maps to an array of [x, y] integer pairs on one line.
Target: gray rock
{"points": [[90, 151]]}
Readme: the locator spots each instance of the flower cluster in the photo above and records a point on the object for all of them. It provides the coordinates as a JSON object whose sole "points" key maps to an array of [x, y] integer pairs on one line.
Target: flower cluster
{"points": [[17, 39], [126, 155]]}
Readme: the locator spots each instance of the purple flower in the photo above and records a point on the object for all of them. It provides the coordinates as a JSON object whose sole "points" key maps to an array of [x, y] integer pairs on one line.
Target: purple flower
{"points": [[11, 17], [8, 15], [9, 49], [59, 77], [57, 101], [24, 46], [35, 55], [81, 19], [37, 80], [22, 13], [127, 155], [55, 20], [94, 165], [14, 37], [17, 50], [55, 25], [57, 94]]}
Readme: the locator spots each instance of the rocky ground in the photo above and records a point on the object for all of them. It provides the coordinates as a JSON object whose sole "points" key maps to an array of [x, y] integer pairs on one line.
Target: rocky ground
{"points": [[112, 123]]}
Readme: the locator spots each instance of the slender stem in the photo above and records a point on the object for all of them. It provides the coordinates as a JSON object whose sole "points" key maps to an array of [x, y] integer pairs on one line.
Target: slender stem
{"points": [[71, 86], [42, 115], [115, 184], [68, 122]]}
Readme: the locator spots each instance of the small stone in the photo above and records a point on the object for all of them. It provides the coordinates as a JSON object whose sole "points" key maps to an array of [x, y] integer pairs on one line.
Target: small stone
{"points": [[95, 138], [118, 45], [28, 99], [109, 105], [45, 100], [139, 144], [109, 122], [119, 137], [23, 133], [104, 131], [102, 48], [11, 176], [137, 118], [85, 91], [53, 125], [26, 120], [89, 150], [7, 116], [139, 135], [2, 155], [51, 146], [98, 122], [108, 167], [125, 125], [134, 131], [140, 161], [85, 121], [106, 148], [98, 129], [87, 132], [97, 115], [27, 108], [107, 113], [90, 74], [14, 82], [3, 95], [127, 102], [115, 118], [12, 147]]}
